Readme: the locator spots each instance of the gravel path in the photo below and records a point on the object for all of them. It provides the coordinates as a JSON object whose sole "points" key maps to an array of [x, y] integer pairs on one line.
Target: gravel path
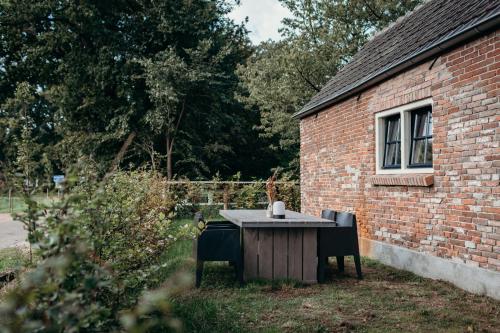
{"points": [[12, 232]]}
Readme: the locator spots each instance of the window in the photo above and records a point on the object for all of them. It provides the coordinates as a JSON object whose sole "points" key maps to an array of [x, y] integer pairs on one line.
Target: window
{"points": [[421, 138], [404, 139], [392, 152]]}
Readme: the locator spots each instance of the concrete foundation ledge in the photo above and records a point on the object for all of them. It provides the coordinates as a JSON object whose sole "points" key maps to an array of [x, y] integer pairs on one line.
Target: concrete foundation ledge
{"points": [[474, 279]]}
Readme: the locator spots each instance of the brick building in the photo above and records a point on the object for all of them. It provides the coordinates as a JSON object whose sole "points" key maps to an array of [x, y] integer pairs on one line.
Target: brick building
{"points": [[407, 136]]}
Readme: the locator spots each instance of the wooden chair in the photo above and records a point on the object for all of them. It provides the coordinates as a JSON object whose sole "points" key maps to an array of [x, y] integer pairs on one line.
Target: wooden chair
{"points": [[339, 241], [219, 241]]}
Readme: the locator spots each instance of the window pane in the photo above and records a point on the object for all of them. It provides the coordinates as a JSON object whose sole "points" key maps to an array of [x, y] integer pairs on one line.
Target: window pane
{"points": [[420, 125], [393, 130], [418, 153], [421, 136], [392, 155], [429, 127], [428, 158], [398, 154]]}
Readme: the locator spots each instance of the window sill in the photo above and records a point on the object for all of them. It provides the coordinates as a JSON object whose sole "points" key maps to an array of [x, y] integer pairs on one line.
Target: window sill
{"points": [[405, 171], [424, 180]]}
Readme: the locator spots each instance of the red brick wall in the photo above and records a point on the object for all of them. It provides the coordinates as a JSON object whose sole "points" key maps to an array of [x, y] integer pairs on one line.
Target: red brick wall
{"points": [[458, 217]]}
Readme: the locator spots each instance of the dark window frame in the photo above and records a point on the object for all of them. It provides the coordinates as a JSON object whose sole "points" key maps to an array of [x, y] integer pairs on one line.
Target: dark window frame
{"points": [[389, 143], [427, 136]]}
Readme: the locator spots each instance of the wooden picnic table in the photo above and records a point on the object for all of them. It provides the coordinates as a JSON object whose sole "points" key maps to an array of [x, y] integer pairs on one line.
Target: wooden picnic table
{"points": [[278, 248]]}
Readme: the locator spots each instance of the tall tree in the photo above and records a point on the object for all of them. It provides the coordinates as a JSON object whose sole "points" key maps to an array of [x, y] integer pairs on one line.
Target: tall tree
{"points": [[23, 136], [318, 38], [89, 61]]}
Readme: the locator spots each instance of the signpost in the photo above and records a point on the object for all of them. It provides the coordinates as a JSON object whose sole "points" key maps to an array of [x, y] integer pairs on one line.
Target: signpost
{"points": [[58, 181]]}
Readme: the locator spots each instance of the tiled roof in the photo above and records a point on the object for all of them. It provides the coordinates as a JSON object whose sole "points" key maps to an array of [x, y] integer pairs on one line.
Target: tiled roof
{"points": [[429, 29]]}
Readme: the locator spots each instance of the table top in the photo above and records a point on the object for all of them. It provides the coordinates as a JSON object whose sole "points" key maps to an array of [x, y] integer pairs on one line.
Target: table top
{"points": [[256, 218]]}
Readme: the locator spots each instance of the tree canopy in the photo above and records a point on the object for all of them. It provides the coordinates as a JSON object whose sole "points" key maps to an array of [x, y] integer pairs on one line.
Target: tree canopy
{"points": [[318, 39], [102, 70], [175, 83]]}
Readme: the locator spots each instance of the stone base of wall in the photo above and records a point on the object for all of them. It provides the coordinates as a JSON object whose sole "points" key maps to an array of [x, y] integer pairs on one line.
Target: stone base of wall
{"points": [[474, 279]]}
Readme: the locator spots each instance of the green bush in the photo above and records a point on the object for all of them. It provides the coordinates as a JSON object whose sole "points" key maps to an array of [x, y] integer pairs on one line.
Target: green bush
{"points": [[289, 192], [100, 250], [249, 196], [192, 197]]}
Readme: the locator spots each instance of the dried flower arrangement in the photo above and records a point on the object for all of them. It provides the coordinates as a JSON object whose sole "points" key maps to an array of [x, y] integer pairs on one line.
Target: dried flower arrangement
{"points": [[271, 188]]}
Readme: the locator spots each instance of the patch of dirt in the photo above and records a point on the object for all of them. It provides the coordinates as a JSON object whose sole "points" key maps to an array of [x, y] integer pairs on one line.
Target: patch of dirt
{"points": [[286, 292]]}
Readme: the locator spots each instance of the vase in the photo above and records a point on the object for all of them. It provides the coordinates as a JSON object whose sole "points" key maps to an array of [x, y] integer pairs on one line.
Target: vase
{"points": [[269, 211]]}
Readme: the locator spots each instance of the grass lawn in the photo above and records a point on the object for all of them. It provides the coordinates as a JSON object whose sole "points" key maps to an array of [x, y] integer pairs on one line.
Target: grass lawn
{"points": [[386, 300], [18, 204], [13, 258]]}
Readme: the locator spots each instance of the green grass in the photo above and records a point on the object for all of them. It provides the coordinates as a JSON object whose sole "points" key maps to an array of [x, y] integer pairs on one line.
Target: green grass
{"points": [[13, 259], [18, 204], [386, 300]]}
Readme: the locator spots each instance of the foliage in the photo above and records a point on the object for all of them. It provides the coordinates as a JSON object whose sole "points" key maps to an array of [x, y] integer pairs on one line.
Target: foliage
{"points": [[100, 70], [100, 249], [101, 254], [289, 193], [249, 196], [318, 38], [208, 198], [22, 134]]}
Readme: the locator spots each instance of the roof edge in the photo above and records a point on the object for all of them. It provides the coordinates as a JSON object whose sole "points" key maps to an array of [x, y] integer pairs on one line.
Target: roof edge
{"points": [[440, 46]]}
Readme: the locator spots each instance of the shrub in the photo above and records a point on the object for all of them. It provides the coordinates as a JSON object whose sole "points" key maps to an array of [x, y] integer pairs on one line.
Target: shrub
{"points": [[289, 192], [100, 250], [249, 196]]}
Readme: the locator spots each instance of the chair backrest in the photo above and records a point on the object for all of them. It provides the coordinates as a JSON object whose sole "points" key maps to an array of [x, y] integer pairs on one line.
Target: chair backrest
{"points": [[345, 219], [328, 214], [198, 217]]}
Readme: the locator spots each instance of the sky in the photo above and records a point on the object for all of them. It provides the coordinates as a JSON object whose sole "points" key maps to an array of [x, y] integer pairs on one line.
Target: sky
{"points": [[264, 18]]}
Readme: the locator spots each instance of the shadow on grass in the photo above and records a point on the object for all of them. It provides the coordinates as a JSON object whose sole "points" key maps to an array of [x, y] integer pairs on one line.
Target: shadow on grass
{"points": [[386, 300]]}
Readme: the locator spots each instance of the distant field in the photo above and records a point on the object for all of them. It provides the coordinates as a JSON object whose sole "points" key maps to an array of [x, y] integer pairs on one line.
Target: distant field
{"points": [[18, 202]]}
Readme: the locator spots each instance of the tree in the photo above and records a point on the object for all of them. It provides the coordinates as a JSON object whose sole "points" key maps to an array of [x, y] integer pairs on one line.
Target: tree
{"points": [[318, 38], [167, 78], [88, 61], [22, 138]]}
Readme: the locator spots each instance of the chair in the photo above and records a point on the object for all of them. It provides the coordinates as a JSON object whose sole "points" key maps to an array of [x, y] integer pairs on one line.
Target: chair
{"points": [[328, 214], [219, 241], [339, 241]]}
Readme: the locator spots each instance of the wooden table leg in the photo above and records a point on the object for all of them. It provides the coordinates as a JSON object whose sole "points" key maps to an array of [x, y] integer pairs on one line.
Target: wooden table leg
{"points": [[266, 253], [295, 253], [310, 256], [250, 253], [280, 253]]}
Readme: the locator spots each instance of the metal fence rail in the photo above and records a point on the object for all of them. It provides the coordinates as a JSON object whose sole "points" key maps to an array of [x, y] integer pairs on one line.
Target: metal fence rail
{"points": [[214, 194]]}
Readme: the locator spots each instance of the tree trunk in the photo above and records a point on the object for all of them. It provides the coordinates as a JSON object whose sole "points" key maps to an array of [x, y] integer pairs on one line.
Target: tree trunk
{"points": [[169, 157], [118, 158], [152, 156], [170, 142]]}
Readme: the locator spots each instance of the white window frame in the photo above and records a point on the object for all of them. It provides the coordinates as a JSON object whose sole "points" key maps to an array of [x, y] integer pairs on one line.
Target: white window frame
{"points": [[405, 113]]}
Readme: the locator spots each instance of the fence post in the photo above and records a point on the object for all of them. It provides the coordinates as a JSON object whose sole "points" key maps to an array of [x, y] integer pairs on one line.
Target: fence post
{"points": [[10, 201], [225, 197]]}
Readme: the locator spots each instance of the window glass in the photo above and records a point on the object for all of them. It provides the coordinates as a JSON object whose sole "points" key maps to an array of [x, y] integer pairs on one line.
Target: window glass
{"points": [[392, 152], [429, 151], [392, 156], [420, 125], [419, 152], [421, 138]]}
